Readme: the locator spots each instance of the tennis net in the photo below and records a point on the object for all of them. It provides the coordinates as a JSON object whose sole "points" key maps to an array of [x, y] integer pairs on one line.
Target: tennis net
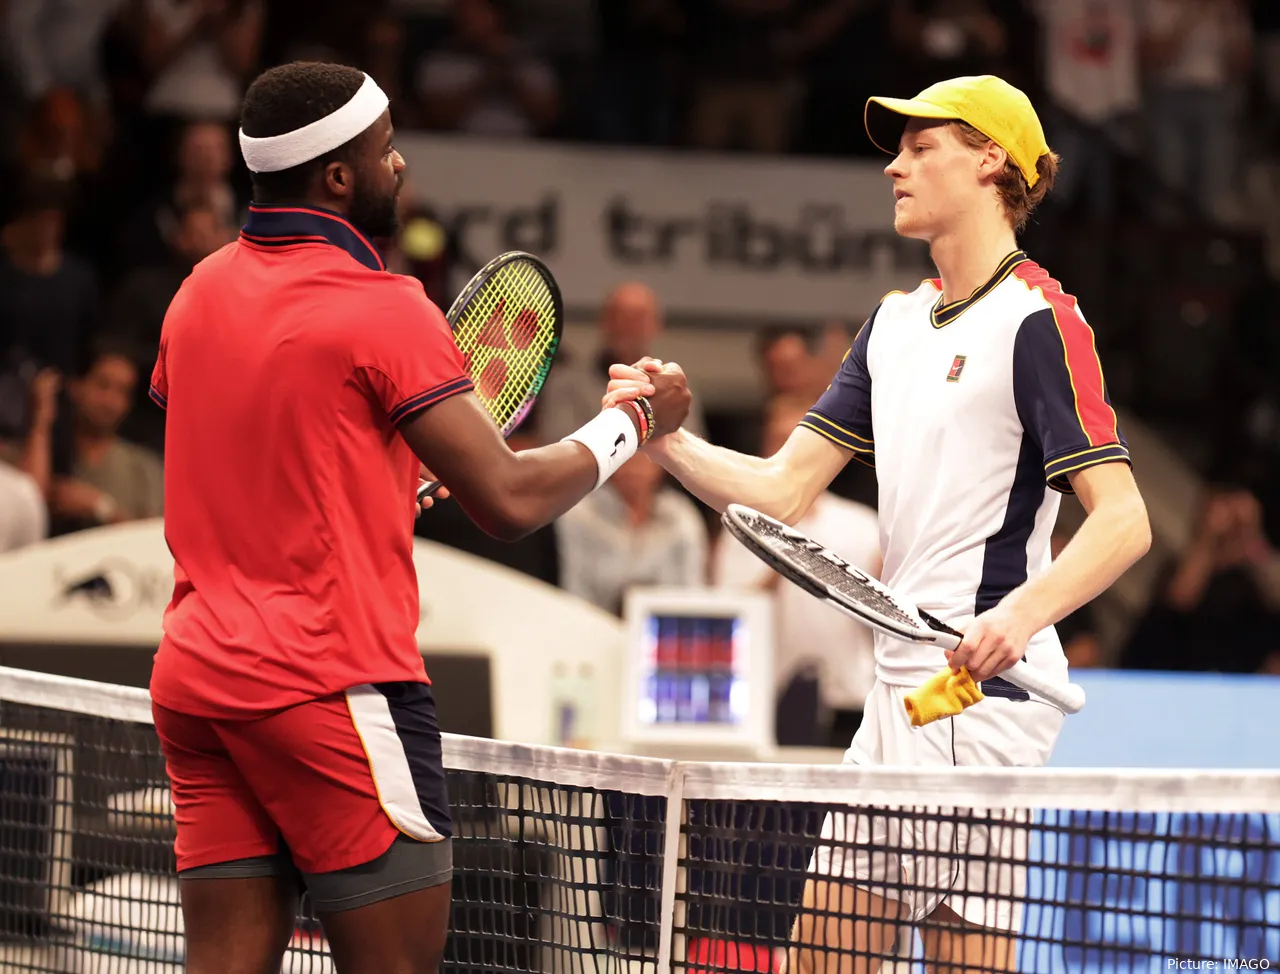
{"points": [[584, 862]]}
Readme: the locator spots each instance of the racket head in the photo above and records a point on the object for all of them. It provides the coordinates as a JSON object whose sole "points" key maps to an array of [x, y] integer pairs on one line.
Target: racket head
{"points": [[825, 575], [508, 323]]}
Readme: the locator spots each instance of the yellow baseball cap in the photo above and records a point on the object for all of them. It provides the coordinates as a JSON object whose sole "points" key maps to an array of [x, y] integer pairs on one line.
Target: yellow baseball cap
{"points": [[991, 105]]}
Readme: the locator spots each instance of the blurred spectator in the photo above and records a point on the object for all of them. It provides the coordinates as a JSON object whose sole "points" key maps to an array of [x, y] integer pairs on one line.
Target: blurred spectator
{"points": [[841, 43], [23, 519], [49, 298], [536, 554], [204, 160], [138, 308], [630, 323], [136, 312], [748, 87], [26, 462], [59, 142], [1194, 53], [642, 68], [57, 43], [200, 53], [635, 530], [1218, 608], [381, 57], [481, 81], [112, 480], [800, 361], [812, 642], [1091, 74], [939, 39]]}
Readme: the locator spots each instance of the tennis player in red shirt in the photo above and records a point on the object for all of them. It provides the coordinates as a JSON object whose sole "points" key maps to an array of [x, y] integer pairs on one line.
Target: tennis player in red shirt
{"points": [[303, 385]]}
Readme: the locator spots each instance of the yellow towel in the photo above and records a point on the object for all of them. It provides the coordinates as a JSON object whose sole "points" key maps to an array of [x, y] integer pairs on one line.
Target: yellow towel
{"points": [[943, 695]]}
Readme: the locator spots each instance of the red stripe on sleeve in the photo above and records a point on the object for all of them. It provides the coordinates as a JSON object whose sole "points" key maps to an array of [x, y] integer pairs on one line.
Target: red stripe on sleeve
{"points": [[1097, 418]]}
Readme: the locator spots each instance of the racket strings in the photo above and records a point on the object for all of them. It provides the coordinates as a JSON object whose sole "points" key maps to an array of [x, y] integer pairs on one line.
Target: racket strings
{"points": [[507, 332], [813, 560]]}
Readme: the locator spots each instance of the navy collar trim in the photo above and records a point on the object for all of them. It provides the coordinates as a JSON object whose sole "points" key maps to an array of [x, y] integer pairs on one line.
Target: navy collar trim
{"points": [[288, 226]]}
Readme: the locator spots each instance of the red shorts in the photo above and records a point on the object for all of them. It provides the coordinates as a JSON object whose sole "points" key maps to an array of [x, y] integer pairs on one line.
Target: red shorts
{"points": [[335, 780]]}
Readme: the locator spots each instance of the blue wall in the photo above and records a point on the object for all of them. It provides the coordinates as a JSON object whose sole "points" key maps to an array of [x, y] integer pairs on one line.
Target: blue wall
{"points": [[1172, 720]]}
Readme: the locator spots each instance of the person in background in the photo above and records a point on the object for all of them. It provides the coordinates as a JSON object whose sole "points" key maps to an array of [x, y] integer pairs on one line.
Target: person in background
{"points": [[60, 138], [381, 48], [812, 642], [630, 323], [137, 309], [937, 39], [748, 86], [26, 468], [1195, 53], [645, 62], [1218, 608], [636, 530], [200, 54], [480, 82], [48, 298], [203, 159], [1091, 73], [798, 361], [112, 480], [58, 45]]}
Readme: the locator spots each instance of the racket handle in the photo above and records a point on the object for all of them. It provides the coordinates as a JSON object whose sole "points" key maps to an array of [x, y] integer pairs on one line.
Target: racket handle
{"points": [[1067, 697], [427, 489]]}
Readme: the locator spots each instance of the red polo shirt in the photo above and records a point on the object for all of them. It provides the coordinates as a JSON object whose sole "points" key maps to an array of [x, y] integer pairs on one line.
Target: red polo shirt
{"points": [[286, 360]]}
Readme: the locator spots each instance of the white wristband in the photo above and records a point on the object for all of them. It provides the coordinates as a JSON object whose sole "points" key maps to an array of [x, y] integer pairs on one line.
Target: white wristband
{"points": [[612, 439]]}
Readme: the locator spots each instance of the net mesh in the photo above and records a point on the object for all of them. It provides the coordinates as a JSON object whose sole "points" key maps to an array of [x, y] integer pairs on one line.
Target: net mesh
{"points": [[507, 334], [584, 862]]}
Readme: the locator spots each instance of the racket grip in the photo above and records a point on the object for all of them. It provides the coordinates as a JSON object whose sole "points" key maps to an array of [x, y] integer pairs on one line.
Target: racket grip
{"points": [[427, 489], [1067, 697]]}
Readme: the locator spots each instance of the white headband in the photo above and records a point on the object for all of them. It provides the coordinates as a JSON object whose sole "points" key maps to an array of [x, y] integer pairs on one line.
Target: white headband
{"points": [[276, 152]]}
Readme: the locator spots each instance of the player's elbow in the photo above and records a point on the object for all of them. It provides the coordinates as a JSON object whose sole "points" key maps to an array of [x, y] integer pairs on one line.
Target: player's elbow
{"points": [[505, 522], [1136, 527], [1142, 531]]}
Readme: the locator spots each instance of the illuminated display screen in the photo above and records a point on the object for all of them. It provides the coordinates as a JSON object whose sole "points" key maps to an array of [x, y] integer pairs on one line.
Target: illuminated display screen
{"points": [[693, 670]]}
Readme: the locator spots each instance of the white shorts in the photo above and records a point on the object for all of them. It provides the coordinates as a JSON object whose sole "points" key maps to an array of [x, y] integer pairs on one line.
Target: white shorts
{"points": [[925, 858]]}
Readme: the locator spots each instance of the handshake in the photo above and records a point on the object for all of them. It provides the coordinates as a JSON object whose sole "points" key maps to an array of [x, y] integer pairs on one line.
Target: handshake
{"points": [[663, 384]]}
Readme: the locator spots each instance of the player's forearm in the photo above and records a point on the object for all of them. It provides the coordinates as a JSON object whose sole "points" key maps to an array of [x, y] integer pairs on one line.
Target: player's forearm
{"points": [[720, 477], [1113, 536], [542, 484]]}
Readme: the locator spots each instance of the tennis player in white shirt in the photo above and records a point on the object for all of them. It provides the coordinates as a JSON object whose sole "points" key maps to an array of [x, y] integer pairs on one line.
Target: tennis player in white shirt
{"points": [[979, 399]]}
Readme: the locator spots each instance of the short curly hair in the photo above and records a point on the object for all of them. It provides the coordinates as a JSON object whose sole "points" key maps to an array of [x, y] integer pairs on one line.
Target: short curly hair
{"points": [[286, 98]]}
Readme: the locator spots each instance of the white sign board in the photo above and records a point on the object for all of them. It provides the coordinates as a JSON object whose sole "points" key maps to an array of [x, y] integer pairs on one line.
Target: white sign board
{"points": [[110, 586], [718, 237]]}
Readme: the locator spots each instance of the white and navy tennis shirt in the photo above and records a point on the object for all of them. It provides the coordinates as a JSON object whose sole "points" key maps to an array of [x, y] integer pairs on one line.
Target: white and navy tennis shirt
{"points": [[973, 414]]}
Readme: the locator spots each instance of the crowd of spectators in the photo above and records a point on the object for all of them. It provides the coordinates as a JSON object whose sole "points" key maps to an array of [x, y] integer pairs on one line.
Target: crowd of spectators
{"points": [[119, 171]]}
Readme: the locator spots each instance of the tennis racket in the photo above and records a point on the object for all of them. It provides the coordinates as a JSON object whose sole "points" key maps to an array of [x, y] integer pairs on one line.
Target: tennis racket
{"points": [[826, 576], [507, 322]]}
